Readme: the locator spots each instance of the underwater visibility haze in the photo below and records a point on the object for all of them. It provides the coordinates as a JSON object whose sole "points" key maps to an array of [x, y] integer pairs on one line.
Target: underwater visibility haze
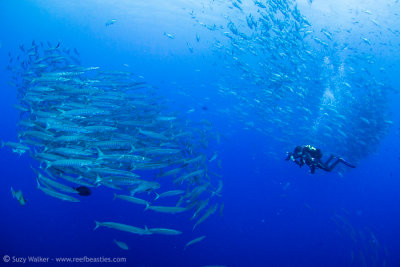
{"points": [[200, 133]]}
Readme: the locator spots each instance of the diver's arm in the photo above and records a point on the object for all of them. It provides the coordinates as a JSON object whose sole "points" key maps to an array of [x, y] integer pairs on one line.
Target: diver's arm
{"points": [[295, 158], [291, 156], [299, 160], [312, 169]]}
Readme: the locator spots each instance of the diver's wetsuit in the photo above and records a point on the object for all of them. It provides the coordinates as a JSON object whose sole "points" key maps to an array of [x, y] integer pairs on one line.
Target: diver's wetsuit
{"points": [[312, 157]]}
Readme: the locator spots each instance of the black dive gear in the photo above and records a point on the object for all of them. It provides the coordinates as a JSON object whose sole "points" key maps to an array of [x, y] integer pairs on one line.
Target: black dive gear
{"points": [[312, 156]]}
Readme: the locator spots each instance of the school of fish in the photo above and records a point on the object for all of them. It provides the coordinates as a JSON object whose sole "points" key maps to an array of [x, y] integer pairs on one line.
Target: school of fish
{"points": [[294, 82], [299, 83], [94, 128]]}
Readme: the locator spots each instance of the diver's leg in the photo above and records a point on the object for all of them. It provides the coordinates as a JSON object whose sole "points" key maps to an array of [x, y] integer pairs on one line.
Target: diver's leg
{"points": [[334, 164], [329, 160], [330, 168], [346, 163], [323, 166]]}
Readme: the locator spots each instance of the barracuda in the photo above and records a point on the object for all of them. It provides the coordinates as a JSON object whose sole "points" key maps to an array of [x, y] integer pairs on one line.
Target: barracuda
{"points": [[123, 227]]}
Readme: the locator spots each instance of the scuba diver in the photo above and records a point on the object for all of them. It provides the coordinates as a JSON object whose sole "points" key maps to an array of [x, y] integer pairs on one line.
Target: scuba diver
{"points": [[312, 156]]}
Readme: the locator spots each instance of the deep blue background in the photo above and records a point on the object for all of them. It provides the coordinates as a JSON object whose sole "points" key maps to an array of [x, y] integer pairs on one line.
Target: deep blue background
{"points": [[275, 213]]}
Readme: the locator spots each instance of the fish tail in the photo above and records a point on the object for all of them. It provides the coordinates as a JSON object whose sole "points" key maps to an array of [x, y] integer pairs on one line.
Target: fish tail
{"points": [[115, 196], [48, 164], [147, 206], [86, 168], [97, 225], [40, 164], [12, 192], [2, 143], [157, 196], [100, 154], [98, 179], [132, 192], [33, 169], [38, 184]]}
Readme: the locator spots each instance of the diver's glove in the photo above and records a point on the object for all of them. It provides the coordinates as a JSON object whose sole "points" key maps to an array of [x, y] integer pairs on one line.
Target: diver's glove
{"points": [[289, 156]]}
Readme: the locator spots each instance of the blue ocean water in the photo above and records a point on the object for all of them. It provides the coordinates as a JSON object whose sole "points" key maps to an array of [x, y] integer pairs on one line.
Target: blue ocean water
{"points": [[275, 213]]}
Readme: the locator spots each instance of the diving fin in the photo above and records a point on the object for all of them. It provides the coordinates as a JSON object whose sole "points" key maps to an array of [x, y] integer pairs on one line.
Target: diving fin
{"points": [[346, 163]]}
